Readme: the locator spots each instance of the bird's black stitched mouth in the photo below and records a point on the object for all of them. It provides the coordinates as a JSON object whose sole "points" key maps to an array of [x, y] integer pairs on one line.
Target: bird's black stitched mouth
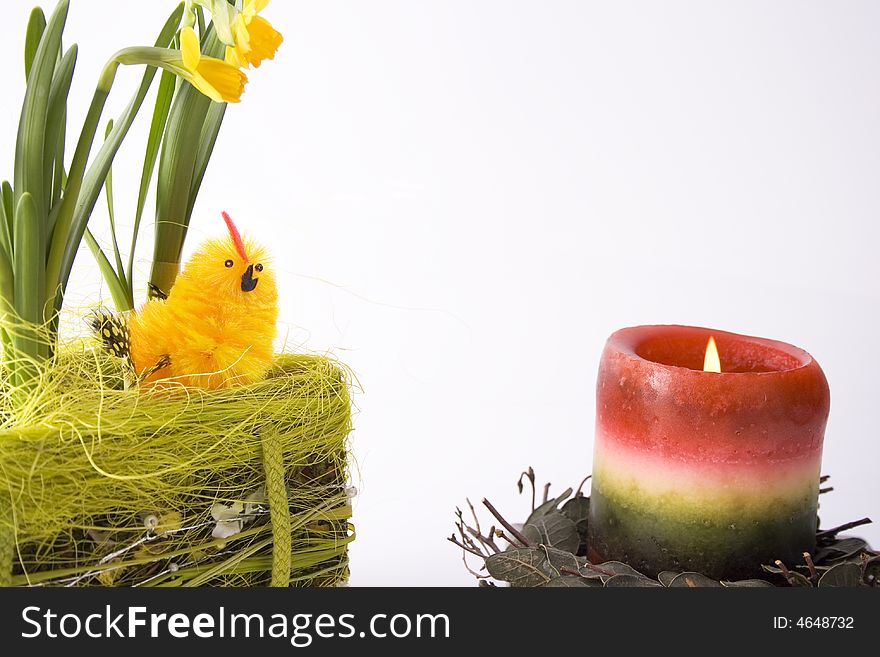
{"points": [[248, 282]]}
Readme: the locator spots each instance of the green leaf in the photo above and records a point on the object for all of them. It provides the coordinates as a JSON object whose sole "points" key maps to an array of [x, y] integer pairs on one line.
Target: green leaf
{"points": [[108, 189], [8, 201], [842, 575], [200, 20], [554, 530], [522, 567], [5, 235], [7, 280], [164, 97], [6, 291], [190, 135], [35, 27], [8, 212], [557, 560], [693, 581], [747, 583], [29, 146], [27, 292], [843, 548], [617, 568], [118, 289], [59, 175], [570, 582], [175, 182], [56, 116], [631, 581], [549, 505], [207, 141], [666, 577], [28, 261], [577, 509]]}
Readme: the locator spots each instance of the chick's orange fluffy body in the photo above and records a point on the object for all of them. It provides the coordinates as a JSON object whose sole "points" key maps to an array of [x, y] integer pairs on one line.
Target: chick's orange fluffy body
{"points": [[212, 331]]}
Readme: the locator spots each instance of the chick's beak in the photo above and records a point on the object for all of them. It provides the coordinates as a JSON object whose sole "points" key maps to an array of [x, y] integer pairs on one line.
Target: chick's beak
{"points": [[248, 282]]}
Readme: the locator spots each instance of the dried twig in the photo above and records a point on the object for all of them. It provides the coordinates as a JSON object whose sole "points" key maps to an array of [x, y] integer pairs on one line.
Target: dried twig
{"points": [[467, 540], [452, 539], [814, 576], [843, 527], [474, 514], [500, 534], [596, 569], [530, 475], [580, 489], [513, 530], [476, 532]]}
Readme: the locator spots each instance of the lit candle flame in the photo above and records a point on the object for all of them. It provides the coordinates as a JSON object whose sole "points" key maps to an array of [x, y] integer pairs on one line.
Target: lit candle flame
{"points": [[712, 362]]}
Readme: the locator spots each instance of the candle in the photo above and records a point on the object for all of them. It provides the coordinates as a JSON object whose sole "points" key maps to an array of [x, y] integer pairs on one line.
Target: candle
{"points": [[701, 463]]}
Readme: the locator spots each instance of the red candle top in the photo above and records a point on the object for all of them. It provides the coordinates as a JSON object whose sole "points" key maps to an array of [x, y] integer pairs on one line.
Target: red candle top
{"points": [[771, 399]]}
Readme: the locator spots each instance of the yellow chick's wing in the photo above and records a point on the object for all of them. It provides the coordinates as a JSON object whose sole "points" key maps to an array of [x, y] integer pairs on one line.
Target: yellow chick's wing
{"points": [[149, 341]]}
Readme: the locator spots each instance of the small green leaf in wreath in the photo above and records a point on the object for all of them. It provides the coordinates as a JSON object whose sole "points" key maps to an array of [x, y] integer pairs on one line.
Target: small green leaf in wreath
{"points": [[667, 576], [637, 581], [571, 581], [549, 506], [554, 530], [844, 574], [519, 567], [747, 583]]}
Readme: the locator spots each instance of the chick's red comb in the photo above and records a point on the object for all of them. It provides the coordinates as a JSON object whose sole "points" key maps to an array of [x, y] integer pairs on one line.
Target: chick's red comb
{"points": [[236, 237]]}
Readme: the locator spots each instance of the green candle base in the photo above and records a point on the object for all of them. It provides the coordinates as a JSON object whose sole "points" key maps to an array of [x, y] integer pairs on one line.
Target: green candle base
{"points": [[719, 547]]}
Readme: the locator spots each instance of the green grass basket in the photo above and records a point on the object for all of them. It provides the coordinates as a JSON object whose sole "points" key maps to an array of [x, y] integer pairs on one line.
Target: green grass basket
{"points": [[108, 486]]}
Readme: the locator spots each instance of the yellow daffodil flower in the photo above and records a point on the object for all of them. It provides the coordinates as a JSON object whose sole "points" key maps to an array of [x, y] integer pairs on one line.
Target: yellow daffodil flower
{"points": [[222, 17], [255, 38], [218, 80]]}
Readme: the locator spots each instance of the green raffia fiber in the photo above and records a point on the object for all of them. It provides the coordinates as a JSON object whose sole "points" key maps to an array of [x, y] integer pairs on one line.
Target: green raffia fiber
{"points": [[102, 485]]}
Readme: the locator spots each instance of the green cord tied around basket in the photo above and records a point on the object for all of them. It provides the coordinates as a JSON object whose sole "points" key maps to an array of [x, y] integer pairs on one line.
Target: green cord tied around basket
{"points": [[276, 488]]}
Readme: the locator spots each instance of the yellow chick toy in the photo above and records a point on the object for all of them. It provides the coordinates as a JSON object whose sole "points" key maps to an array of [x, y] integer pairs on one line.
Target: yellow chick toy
{"points": [[215, 329]]}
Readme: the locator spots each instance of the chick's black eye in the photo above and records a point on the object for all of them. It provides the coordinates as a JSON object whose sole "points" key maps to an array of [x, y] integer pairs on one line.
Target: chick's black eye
{"points": [[229, 263], [258, 267]]}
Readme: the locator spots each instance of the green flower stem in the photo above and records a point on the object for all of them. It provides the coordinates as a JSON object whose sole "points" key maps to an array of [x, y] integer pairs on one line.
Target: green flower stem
{"points": [[164, 98], [111, 212]]}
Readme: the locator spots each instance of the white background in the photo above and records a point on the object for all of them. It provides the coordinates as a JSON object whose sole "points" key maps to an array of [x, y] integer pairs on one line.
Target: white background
{"points": [[465, 198]]}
